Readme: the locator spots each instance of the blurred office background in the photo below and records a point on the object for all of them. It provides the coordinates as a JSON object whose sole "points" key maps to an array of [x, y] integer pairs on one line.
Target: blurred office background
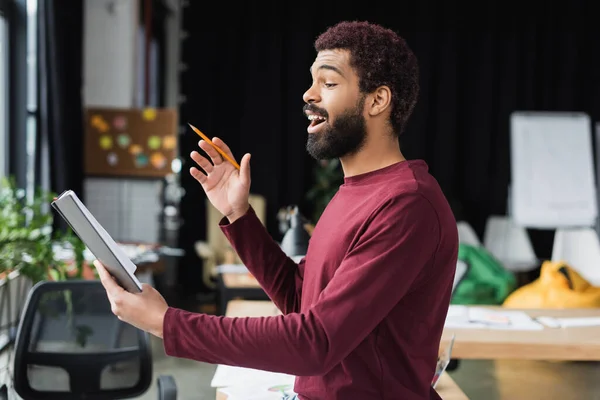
{"points": [[87, 84]]}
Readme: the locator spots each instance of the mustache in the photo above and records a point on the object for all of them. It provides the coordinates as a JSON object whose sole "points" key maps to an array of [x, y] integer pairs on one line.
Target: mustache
{"points": [[314, 109]]}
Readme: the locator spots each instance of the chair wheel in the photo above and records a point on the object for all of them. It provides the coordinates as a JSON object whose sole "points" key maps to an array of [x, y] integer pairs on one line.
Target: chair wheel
{"points": [[167, 388]]}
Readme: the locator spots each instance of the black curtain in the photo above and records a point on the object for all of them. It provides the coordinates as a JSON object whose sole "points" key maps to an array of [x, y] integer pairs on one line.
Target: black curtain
{"points": [[16, 14], [60, 118], [247, 68]]}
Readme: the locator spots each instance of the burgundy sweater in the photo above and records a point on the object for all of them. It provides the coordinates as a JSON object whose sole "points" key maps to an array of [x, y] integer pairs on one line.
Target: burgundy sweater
{"points": [[363, 312]]}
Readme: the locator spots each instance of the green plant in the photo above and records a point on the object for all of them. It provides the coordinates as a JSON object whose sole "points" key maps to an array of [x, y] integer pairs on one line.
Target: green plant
{"points": [[328, 178], [27, 237], [27, 244]]}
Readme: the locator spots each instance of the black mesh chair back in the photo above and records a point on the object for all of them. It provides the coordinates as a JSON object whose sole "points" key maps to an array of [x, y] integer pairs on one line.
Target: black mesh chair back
{"points": [[70, 345]]}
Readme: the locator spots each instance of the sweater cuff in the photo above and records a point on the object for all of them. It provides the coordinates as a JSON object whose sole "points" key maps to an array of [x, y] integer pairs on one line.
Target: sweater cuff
{"points": [[170, 339], [241, 221]]}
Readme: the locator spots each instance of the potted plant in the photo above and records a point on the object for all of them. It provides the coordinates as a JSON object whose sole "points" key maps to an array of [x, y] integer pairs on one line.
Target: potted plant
{"points": [[328, 178], [28, 242]]}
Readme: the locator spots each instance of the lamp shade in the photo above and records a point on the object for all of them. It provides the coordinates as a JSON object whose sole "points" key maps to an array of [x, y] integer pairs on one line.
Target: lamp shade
{"points": [[295, 241]]}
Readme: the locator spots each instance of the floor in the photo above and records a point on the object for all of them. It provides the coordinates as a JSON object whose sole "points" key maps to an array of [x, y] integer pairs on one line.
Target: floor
{"points": [[488, 380]]}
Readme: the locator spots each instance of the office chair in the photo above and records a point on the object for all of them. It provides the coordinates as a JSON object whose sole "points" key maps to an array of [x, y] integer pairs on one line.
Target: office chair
{"points": [[70, 345]]}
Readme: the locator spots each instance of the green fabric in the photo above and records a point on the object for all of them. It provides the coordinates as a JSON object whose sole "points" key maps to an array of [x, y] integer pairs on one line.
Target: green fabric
{"points": [[486, 280]]}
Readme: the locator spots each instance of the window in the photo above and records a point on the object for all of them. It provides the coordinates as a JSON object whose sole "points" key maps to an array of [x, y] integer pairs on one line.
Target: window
{"points": [[32, 101], [3, 94]]}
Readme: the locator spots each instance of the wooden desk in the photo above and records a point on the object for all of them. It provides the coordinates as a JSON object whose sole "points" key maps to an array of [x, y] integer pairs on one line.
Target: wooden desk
{"points": [[234, 285], [576, 344], [446, 387]]}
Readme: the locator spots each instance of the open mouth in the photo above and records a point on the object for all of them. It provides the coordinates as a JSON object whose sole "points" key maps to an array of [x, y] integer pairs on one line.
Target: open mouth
{"points": [[315, 122]]}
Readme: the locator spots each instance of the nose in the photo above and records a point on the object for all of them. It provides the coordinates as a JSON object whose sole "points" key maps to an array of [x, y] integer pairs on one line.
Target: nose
{"points": [[311, 95]]}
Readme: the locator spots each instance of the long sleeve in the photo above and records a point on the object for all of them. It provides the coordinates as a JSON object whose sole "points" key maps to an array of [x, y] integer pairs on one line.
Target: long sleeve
{"points": [[395, 251], [279, 276]]}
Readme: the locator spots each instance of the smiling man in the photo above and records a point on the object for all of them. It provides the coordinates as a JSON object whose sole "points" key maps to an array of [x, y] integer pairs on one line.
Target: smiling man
{"points": [[364, 311]]}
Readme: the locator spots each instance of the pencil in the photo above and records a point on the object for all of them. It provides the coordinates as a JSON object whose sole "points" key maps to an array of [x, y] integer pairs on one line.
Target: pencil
{"points": [[203, 136]]}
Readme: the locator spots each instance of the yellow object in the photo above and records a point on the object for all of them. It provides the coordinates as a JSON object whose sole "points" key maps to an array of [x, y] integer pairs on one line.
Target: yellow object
{"points": [[149, 114], [559, 286], [154, 142], [207, 140], [106, 142]]}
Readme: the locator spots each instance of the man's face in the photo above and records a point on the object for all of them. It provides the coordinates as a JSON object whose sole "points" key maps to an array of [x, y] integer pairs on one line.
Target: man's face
{"points": [[334, 106]]}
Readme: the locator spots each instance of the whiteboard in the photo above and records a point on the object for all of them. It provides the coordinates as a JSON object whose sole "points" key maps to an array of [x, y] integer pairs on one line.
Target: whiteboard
{"points": [[552, 170]]}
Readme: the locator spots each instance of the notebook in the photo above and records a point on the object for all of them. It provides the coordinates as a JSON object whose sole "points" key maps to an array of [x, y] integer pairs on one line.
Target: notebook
{"points": [[98, 241]]}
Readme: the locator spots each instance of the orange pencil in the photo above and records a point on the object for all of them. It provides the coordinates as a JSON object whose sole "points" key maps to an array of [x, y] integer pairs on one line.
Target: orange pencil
{"points": [[203, 136]]}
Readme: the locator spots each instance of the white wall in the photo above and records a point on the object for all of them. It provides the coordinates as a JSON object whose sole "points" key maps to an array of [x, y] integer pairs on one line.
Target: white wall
{"points": [[111, 76], [109, 53]]}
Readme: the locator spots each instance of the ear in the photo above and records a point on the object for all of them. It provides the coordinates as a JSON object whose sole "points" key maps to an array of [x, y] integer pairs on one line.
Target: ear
{"points": [[380, 100]]}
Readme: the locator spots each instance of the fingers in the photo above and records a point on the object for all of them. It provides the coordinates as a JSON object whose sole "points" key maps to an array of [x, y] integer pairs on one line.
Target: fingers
{"points": [[202, 162], [146, 288], [198, 175], [245, 170], [221, 144], [110, 285], [211, 151]]}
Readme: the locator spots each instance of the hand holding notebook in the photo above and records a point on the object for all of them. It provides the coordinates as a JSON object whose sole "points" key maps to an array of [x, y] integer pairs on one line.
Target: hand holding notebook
{"points": [[95, 237]]}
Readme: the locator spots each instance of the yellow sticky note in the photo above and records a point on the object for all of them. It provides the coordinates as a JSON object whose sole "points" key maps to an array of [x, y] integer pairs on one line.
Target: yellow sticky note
{"points": [[105, 142], [149, 114]]}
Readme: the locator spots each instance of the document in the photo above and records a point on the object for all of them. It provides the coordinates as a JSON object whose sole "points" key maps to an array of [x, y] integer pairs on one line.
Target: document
{"points": [[569, 322], [227, 375], [468, 317]]}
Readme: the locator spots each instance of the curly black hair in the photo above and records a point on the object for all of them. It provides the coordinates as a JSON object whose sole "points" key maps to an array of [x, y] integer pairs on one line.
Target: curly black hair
{"points": [[380, 57]]}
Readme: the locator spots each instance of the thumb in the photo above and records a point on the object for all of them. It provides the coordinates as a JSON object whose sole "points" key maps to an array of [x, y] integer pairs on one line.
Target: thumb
{"points": [[245, 170]]}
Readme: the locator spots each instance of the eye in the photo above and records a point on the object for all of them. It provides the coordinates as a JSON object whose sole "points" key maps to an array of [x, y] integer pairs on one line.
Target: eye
{"points": [[330, 85]]}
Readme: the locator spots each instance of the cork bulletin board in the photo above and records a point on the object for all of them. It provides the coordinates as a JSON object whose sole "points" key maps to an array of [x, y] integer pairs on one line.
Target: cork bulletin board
{"points": [[130, 142]]}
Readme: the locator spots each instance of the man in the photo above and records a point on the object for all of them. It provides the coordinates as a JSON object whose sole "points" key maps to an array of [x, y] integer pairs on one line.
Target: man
{"points": [[363, 312]]}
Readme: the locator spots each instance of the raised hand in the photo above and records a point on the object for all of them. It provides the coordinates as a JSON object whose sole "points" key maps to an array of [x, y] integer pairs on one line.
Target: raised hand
{"points": [[227, 188]]}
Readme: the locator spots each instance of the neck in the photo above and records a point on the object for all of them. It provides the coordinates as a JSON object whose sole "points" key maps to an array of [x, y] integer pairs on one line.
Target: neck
{"points": [[372, 156]]}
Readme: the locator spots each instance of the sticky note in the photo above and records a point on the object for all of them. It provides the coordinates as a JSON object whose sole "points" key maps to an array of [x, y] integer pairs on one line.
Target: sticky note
{"points": [[158, 160], [112, 159], [120, 122], [123, 140], [169, 142], [106, 142], [149, 114], [154, 142], [141, 160], [99, 123], [135, 149]]}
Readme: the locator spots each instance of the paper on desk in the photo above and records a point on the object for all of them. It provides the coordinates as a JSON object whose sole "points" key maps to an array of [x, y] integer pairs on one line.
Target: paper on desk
{"points": [[464, 317], [570, 322], [232, 269], [258, 391], [230, 376]]}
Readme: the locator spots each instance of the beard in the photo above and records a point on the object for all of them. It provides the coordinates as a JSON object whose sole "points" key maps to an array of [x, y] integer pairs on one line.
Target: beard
{"points": [[345, 136]]}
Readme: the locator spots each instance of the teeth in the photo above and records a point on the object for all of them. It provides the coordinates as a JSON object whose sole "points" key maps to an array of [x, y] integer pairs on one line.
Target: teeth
{"points": [[313, 117]]}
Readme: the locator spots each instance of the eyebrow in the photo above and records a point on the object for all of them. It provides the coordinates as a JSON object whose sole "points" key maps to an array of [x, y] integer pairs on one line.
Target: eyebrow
{"points": [[329, 67]]}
